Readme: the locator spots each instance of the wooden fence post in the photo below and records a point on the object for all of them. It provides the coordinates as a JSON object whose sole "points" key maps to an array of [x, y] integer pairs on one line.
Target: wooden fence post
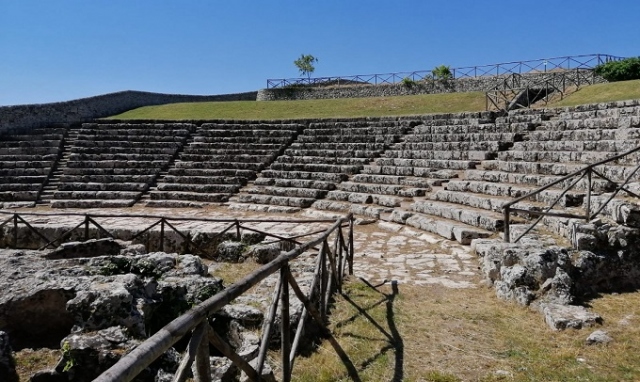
{"points": [[285, 343]]}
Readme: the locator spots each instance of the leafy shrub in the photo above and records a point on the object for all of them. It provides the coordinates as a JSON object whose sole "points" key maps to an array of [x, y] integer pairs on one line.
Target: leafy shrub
{"points": [[624, 70], [408, 82], [442, 72]]}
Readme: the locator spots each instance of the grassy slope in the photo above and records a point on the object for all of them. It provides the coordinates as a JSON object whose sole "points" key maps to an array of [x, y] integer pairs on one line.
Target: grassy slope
{"points": [[616, 91], [325, 108]]}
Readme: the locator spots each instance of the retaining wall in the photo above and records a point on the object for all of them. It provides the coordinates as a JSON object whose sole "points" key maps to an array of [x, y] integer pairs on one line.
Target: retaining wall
{"points": [[21, 117], [461, 85]]}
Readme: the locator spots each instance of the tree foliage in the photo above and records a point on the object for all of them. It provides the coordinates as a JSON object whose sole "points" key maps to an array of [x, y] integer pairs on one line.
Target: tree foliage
{"points": [[305, 64], [442, 72], [624, 70]]}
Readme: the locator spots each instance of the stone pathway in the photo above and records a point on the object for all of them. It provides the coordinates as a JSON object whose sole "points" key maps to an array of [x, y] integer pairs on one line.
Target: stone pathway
{"points": [[384, 251]]}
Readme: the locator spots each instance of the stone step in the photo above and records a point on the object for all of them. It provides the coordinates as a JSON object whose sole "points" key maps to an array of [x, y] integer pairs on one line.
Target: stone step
{"points": [[131, 132], [349, 161], [192, 196], [111, 171], [388, 139], [491, 146], [223, 147], [586, 157], [376, 188], [355, 131], [266, 208], [570, 199], [305, 175], [344, 146], [450, 230], [329, 153], [250, 125], [115, 164], [632, 134], [24, 171], [124, 150], [288, 192], [20, 186], [33, 143], [246, 133], [160, 203], [568, 123], [27, 164], [102, 157], [440, 155], [205, 179], [7, 196], [609, 145], [358, 209], [124, 144], [275, 200], [466, 128], [358, 122], [297, 183], [96, 195], [487, 220], [132, 138], [201, 188], [23, 179], [242, 173], [477, 137], [139, 126], [93, 203], [226, 152], [18, 151], [424, 183], [320, 167], [219, 165], [245, 158], [535, 180], [614, 172], [428, 163], [242, 139], [365, 198], [32, 137], [490, 203], [107, 179], [93, 186], [420, 172], [29, 158]]}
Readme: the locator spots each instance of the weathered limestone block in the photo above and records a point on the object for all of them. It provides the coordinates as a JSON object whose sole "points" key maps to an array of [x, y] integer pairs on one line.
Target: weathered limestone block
{"points": [[7, 364], [561, 317]]}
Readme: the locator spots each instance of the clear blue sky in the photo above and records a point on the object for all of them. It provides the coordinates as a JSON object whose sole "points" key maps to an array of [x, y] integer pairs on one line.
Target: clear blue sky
{"points": [[66, 49]]}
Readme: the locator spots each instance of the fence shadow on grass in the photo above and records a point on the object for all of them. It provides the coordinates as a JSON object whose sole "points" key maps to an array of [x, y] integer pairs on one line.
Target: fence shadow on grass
{"points": [[393, 339]]}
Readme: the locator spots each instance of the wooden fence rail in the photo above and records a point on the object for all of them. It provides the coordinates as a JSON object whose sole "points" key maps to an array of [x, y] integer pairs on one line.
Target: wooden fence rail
{"points": [[589, 172], [335, 253]]}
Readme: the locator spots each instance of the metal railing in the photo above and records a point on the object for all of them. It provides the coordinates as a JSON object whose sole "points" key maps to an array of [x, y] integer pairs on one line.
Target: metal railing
{"points": [[334, 258], [589, 172], [543, 65]]}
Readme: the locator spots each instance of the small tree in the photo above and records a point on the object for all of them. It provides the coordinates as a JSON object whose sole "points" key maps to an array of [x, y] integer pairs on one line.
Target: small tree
{"points": [[305, 64], [442, 72]]}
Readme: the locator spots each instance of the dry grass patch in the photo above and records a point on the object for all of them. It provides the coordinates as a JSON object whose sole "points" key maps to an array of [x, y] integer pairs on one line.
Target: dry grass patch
{"points": [[433, 333], [615, 91], [29, 361]]}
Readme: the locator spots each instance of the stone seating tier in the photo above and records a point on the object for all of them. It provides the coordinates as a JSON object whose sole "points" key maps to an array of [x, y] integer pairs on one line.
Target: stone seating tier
{"points": [[296, 183], [334, 177], [329, 153], [27, 144], [288, 192], [246, 158], [428, 163], [420, 172], [124, 164], [586, 135], [491, 146], [29, 150], [333, 160], [26, 164], [112, 186], [602, 145], [110, 171], [10, 196], [474, 137], [591, 123], [106, 179], [242, 140], [616, 173], [364, 198], [20, 186], [104, 157], [96, 195], [202, 188], [189, 196], [205, 179], [93, 203], [248, 174], [425, 183], [441, 154], [137, 134], [384, 139], [360, 131], [220, 165], [344, 146], [132, 138], [252, 133], [29, 158], [276, 200], [308, 167], [37, 179], [535, 180], [124, 145], [24, 171]]}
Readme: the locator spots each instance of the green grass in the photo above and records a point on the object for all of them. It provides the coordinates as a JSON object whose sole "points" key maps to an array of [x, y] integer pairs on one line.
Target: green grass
{"points": [[615, 91], [323, 108]]}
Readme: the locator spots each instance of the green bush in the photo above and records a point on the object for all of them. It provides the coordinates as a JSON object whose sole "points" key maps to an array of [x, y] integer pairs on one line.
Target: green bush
{"points": [[624, 70], [408, 82]]}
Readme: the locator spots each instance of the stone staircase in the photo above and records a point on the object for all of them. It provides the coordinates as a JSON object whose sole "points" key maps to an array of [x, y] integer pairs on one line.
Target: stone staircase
{"points": [[53, 181], [221, 159], [325, 154], [27, 159], [113, 164]]}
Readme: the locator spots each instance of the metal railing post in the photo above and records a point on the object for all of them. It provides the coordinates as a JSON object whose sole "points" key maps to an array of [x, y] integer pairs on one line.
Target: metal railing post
{"points": [[162, 235], [507, 228], [285, 344], [588, 213], [86, 227]]}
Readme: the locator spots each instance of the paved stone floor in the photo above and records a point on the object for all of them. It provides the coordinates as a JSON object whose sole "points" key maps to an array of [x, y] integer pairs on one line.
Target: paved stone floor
{"points": [[384, 251]]}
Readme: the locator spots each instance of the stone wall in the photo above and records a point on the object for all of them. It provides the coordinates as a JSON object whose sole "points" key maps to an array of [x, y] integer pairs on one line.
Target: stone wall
{"points": [[19, 117], [481, 84]]}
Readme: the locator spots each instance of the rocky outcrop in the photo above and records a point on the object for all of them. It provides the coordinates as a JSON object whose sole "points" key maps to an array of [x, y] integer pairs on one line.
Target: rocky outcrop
{"points": [[7, 365], [97, 308]]}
